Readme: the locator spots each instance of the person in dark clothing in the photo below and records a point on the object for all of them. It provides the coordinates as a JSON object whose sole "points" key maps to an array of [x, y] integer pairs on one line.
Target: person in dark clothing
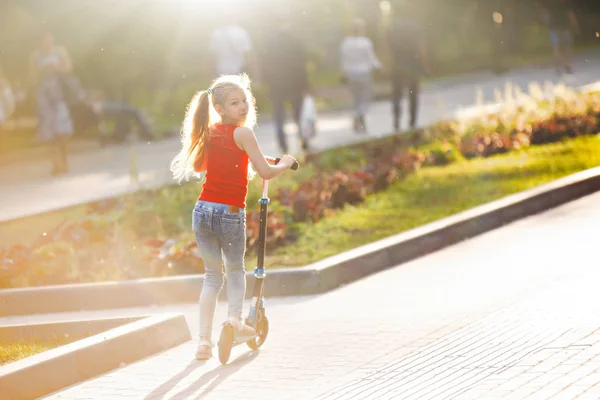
{"points": [[124, 116], [284, 73], [493, 19], [91, 111], [408, 63], [562, 22]]}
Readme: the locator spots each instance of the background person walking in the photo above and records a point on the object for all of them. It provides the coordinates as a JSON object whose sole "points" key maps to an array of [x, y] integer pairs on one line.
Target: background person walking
{"points": [[408, 62], [358, 60], [562, 22], [48, 66], [284, 73]]}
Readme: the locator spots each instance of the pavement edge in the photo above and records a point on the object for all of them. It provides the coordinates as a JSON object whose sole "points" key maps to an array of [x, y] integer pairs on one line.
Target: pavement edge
{"points": [[58, 368]]}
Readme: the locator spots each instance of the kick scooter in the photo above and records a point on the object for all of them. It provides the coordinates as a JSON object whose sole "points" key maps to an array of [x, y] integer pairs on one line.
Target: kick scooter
{"points": [[257, 318]]}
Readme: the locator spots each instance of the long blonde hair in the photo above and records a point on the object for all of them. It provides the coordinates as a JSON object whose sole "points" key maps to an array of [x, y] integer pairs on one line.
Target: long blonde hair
{"points": [[200, 115]]}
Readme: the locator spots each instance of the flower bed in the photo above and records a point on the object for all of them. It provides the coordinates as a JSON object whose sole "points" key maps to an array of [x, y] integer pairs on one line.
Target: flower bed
{"points": [[148, 234]]}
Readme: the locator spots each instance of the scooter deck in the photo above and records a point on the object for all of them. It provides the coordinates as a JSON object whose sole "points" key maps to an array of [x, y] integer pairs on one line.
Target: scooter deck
{"points": [[236, 340], [236, 343]]}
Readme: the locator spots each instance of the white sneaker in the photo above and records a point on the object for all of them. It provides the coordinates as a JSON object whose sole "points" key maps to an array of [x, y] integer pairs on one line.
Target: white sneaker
{"points": [[243, 332], [204, 351]]}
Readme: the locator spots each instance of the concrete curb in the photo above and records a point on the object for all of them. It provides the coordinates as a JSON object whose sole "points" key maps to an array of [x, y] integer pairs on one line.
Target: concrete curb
{"points": [[73, 330], [55, 369], [315, 278]]}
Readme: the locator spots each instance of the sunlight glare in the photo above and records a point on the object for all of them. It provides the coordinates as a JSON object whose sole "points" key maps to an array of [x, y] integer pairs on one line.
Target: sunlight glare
{"points": [[198, 4]]}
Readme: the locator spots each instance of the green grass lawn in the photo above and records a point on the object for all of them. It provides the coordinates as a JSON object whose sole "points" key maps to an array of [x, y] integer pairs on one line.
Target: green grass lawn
{"points": [[434, 193]]}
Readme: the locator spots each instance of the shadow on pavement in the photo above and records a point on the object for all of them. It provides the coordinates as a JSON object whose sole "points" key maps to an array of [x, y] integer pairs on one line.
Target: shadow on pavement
{"points": [[215, 377]]}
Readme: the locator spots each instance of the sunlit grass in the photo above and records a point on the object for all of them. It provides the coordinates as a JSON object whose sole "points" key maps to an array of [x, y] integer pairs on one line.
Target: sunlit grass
{"points": [[17, 351], [435, 193]]}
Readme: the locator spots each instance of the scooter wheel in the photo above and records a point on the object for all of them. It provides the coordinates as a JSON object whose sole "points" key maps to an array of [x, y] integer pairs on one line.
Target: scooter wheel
{"points": [[225, 343], [262, 330]]}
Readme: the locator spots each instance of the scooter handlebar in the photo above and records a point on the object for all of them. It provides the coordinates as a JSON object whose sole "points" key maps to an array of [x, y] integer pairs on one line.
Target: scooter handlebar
{"points": [[295, 165]]}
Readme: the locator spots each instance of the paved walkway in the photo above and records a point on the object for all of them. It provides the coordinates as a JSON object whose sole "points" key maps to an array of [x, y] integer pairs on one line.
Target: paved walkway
{"points": [[511, 314], [26, 189]]}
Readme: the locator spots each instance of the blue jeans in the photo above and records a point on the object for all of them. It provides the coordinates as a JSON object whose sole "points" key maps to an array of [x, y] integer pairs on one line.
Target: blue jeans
{"points": [[221, 237]]}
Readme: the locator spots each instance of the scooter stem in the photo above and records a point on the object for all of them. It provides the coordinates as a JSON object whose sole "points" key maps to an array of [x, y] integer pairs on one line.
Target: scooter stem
{"points": [[262, 233], [259, 270]]}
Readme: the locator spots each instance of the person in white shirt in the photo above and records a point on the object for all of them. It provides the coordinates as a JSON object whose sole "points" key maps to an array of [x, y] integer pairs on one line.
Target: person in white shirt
{"points": [[358, 60], [231, 46]]}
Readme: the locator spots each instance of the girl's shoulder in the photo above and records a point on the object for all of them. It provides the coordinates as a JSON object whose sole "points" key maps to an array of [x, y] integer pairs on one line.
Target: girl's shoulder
{"points": [[243, 131], [242, 134]]}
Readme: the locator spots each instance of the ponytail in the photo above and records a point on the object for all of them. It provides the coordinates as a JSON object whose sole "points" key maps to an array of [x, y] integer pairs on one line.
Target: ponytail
{"points": [[194, 134], [200, 130]]}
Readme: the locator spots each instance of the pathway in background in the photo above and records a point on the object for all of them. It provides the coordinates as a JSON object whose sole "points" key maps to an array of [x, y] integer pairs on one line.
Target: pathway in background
{"points": [[27, 189]]}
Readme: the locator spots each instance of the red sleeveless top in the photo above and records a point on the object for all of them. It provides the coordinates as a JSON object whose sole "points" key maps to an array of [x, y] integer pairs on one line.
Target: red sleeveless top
{"points": [[226, 167]]}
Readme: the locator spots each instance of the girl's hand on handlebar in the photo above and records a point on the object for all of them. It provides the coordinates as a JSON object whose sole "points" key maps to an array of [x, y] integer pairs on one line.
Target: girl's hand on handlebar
{"points": [[287, 160]]}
